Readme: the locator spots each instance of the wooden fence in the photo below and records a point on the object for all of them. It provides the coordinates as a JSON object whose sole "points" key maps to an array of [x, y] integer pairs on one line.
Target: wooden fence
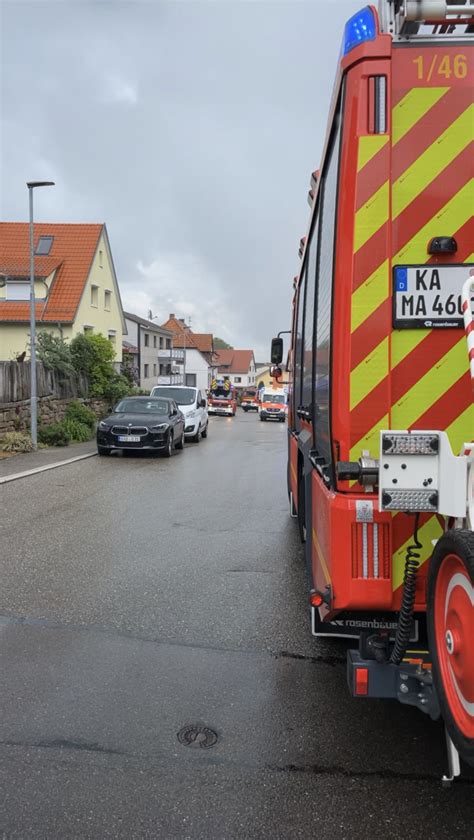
{"points": [[15, 383]]}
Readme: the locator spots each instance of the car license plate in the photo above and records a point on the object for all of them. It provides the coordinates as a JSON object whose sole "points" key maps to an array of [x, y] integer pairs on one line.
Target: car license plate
{"points": [[129, 438], [428, 296]]}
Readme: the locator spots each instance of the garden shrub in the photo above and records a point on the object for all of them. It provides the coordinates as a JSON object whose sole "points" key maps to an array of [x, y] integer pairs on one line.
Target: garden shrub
{"points": [[75, 410], [54, 435], [17, 442], [77, 431]]}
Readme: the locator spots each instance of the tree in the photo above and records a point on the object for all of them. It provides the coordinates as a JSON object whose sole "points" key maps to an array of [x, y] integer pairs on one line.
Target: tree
{"points": [[54, 352], [128, 369], [93, 355], [220, 344]]}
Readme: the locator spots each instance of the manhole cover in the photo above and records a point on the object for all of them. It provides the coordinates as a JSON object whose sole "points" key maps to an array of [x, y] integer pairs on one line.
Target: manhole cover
{"points": [[195, 735]]}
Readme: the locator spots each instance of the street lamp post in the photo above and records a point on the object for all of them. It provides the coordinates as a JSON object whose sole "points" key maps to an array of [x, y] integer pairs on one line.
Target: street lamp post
{"points": [[33, 392]]}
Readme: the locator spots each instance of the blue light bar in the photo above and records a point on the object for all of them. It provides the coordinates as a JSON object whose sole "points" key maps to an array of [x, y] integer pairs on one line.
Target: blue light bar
{"points": [[359, 28]]}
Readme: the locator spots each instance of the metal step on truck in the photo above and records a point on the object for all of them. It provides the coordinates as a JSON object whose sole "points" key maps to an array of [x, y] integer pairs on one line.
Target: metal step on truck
{"points": [[380, 409]]}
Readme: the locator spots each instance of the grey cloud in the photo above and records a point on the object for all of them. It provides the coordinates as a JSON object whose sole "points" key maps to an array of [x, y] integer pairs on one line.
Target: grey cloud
{"points": [[190, 128]]}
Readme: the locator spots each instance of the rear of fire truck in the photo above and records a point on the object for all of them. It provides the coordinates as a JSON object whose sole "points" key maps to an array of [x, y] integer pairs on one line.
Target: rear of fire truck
{"points": [[222, 398], [381, 464]]}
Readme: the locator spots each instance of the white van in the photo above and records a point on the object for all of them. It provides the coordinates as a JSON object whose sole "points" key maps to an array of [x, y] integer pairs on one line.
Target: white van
{"points": [[192, 403]]}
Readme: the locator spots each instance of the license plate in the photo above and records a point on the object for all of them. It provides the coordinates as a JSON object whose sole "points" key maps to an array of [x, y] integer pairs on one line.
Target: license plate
{"points": [[129, 438], [428, 296]]}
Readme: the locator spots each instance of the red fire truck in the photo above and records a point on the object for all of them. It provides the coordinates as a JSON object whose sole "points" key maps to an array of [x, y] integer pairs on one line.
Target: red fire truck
{"points": [[380, 391], [222, 399]]}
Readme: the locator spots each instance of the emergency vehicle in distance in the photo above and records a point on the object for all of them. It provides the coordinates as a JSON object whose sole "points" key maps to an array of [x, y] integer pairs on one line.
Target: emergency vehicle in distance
{"points": [[222, 399], [272, 405], [380, 394], [249, 401]]}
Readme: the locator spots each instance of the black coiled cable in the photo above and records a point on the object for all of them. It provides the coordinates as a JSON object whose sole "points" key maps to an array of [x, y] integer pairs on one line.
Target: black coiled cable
{"points": [[405, 618]]}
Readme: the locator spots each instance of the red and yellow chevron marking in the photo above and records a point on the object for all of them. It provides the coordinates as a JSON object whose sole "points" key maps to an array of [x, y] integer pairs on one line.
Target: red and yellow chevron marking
{"points": [[410, 378]]}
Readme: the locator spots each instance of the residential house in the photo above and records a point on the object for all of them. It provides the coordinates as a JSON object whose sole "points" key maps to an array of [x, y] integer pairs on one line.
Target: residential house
{"points": [[76, 287], [158, 362], [237, 365], [264, 379], [200, 366]]}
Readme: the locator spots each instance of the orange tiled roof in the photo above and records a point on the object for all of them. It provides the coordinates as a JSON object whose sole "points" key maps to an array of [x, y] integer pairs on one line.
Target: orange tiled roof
{"points": [[185, 337], [71, 255], [234, 361], [203, 341]]}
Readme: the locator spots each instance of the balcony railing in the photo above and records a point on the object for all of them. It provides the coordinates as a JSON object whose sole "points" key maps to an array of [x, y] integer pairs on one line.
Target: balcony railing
{"points": [[171, 354], [170, 379]]}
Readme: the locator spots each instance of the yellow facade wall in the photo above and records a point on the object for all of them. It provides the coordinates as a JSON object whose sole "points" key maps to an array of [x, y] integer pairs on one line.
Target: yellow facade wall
{"points": [[14, 338]]}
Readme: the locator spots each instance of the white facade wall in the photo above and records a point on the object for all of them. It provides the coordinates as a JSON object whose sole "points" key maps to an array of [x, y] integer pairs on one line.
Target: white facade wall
{"points": [[243, 380], [196, 365]]}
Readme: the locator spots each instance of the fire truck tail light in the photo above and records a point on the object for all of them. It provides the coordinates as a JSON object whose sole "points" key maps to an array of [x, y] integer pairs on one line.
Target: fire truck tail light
{"points": [[412, 501], [361, 681], [409, 444], [359, 28], [316, 599]]}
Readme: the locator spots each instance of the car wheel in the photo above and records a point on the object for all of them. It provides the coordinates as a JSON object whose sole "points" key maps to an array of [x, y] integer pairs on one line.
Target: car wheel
{"points": [[180, 444], [204, 431], [169, 446], [103, 450], [197, 436], [262, 418]]}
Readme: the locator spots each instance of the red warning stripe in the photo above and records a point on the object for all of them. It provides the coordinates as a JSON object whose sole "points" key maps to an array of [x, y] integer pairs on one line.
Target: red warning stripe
{"points": [[370, 256], [433, 198], [420, 360], [427, 129], [402, 528], [371, 332], [377, 399], [373, 175], [448, 408]]}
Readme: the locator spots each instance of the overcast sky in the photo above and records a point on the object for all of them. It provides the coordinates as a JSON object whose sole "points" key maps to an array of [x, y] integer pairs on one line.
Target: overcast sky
{"points": [[190, 128]]}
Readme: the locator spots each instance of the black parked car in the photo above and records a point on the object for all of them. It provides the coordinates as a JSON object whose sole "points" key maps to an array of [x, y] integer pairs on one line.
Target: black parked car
{"points": [[142, 423]]}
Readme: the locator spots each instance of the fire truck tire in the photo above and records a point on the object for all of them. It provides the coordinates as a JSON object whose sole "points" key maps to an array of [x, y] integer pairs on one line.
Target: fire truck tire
{"points": [[450, 617]]}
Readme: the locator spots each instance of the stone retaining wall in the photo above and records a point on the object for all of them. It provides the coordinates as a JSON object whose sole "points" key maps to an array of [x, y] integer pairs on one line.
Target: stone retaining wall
{"points": [[16, 416]]}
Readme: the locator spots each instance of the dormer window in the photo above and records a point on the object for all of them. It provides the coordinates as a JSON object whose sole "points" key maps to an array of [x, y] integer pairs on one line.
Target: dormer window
{"points": [[44, 246]]}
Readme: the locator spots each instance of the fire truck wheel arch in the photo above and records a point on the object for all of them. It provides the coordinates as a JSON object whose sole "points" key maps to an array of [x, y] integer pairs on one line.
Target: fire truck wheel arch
{"points": [[450, 617]]}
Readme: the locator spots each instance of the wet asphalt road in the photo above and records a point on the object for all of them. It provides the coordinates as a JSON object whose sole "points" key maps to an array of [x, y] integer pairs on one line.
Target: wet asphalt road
{"points": [[140, 595]]}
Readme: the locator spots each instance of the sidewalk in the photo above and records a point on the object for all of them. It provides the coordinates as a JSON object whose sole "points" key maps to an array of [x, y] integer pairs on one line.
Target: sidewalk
{"points": [[44, 457]]}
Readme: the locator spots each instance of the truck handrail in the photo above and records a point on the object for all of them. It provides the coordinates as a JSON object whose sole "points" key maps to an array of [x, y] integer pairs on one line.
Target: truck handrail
{"points": [[467, 290]]}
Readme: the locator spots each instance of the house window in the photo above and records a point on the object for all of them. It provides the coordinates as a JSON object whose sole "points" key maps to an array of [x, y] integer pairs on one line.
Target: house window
{"points": [[154, 370], [146, 339], [168, 343], [18, 291], [237, 379], [154, 341], [101, 260], [111, 336], [88, 328], [107, 299], [146, 371], [191, 380], [94, 295], [162, 342], [44, 246]]}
